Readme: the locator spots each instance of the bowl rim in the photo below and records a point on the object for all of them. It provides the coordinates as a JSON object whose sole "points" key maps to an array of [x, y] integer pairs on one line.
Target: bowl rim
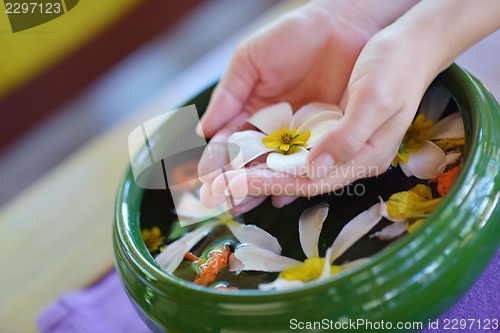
{"points": [[468, 93]]}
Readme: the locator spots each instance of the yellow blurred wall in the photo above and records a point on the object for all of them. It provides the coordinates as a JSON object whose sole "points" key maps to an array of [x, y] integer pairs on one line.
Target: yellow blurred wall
{"points": [[25, 54]]}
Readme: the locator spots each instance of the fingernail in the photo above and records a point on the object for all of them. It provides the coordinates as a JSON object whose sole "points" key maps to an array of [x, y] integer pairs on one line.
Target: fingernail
{"points": [[208, 199], [320, 166], [280, 202], [219, 187], [199, 130], [238, 186]]}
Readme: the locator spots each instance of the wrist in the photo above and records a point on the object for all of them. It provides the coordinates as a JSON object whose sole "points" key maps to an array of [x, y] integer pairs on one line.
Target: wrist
{"points": [[444, 29], [372, 15]]}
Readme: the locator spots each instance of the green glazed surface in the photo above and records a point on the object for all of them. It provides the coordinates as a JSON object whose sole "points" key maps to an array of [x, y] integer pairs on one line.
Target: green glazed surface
{"points": [[414, 280]]}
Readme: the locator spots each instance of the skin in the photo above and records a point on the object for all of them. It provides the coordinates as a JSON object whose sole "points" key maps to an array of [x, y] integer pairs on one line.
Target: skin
{"points": [[373, 58]]}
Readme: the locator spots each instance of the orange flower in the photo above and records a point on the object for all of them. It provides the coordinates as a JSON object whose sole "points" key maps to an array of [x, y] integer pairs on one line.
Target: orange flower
{"points": [[185, 176], [215, 264], [445, 180]]}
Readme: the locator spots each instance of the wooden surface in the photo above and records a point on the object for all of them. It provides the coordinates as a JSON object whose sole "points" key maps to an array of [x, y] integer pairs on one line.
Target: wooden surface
{"points": [[56, 235]]}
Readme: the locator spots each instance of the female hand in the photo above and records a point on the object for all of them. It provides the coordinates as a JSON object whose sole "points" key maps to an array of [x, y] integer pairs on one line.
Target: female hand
{"points": [[306, 56], [384, 90]]}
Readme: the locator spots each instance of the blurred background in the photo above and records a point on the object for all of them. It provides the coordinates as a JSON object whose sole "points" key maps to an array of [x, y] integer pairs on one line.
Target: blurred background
{"points": [[71, 90], [67, 80]]}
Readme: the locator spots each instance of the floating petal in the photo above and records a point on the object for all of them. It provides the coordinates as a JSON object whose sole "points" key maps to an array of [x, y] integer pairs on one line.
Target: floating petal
{"points": [[190, 207], [254, 258], [414, 203], [253, 235], [319, 125], [355, 229], [280, 284], [310, 110], [450, 158], [234, 264], [170, 258], [310, 270], [434, 102], [327, 264], [310, 225], [451, 127], [446, 180], [272, 118], [251, 147], [294, 163], [425, 164], [391, 231]]}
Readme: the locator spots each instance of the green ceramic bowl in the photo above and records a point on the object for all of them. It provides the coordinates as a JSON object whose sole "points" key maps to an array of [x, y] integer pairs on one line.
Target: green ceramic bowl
{"points": [[415, 279]]}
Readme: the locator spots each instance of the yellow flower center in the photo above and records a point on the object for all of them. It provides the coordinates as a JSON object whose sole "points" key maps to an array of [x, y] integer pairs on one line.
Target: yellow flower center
{"points": [[284, 139], [418, 132], [309, 270], [413, 204]]}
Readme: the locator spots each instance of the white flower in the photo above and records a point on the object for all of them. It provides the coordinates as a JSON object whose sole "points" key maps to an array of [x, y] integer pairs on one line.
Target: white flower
{"points": [[285, 135], [294, 272], [170, 258], [418, 154]]}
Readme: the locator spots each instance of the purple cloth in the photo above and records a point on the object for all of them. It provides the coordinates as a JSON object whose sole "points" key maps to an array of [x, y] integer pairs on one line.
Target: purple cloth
{"points": [[102, 308], [481, 302], [105, 307]]}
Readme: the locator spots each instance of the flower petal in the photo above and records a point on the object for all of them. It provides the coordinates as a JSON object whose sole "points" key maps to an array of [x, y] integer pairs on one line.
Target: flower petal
{"points": [[294, 163], [434, 102], [280, 284], [170, 258], [392, 231], [450, 158], [319, 125], [272, 118], [234, 264], [355, 229], [251, 147], [252, 235], [425, 164], [310, 110], [310, 224], [451, 127], [191, 208], [254, 258], [327, 268]]}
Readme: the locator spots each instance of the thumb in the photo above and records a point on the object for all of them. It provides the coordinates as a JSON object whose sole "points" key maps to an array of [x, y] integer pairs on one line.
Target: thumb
{"points": [[365, 113]]}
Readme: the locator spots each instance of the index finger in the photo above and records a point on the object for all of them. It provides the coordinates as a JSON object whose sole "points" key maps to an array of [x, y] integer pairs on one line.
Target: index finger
{"points": [[215, 156], [231, 93]]}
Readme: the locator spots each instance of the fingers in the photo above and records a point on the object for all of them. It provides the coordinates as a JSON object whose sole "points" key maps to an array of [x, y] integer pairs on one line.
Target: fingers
{"points": [[208, 199], [280, 202], [231, 93], [373, 159], [365, 113], [246, 205], [261, 183], [215, 157]]}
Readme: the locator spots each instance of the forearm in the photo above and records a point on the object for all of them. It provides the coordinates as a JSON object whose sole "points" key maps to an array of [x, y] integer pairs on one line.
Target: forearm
{"points": [[376, 14], [442, 30]]}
